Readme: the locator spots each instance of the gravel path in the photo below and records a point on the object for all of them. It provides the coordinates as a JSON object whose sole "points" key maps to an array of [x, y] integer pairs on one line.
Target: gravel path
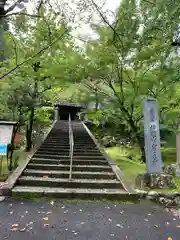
{"points": [[24, 220]]}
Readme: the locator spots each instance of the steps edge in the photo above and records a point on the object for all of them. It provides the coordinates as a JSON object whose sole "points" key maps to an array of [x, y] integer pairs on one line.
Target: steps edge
{"points": [[6, 190]]}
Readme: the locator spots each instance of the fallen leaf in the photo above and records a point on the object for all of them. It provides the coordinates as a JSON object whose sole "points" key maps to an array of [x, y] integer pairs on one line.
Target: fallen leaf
{"points": [[30, 223], [14, 229], [46, 225], [119, 225], [15, 225], [45, 219], [48, 213], [22, 230]]}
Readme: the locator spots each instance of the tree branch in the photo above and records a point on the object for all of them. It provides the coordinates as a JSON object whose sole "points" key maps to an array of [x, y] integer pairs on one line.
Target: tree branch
{"points": [[106, 21], [30, 58], [15, 47], [22, 13], [11, 8], [45, 89]]}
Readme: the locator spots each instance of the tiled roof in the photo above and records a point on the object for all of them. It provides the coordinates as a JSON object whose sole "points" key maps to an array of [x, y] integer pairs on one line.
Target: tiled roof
{"points": [[68, 104]]}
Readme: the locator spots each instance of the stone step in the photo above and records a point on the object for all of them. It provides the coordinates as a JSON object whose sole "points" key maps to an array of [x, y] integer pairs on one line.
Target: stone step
{"points": [[59, 157], [67, 161], [65, 183], [65, 174], [67, 142], [71, 193], [53, 156], [56, 151], [91, 146], [79, 168], [67, 147]]}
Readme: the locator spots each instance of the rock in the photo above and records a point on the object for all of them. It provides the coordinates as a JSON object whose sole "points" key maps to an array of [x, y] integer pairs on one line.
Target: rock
{"points": [[173, 169], [154, 180], [176, 201], [152, 195], [2, 198]]}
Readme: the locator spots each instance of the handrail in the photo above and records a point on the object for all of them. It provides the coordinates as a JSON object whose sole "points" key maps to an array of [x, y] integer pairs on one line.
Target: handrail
{"points": [[71, 146]]}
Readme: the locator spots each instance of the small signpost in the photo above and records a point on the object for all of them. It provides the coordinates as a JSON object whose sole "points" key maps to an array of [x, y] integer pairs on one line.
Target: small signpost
{"points": [[7, 130], [3, 149], [152, 136]]}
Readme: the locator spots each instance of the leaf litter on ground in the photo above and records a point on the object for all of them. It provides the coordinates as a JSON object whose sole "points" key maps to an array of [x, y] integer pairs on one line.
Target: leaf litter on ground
{"points": [[45, 218], [15, 225], [49, 213], [22, 230], [14, 229], [46, 225]]}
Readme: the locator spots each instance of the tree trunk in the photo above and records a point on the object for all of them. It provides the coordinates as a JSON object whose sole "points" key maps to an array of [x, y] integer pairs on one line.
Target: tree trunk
{"points": [[2, 27], [140, 142], [139, 139], [29, 130]]}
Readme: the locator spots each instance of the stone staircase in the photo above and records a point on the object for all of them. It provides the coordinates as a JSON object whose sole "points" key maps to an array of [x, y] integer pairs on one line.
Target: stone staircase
{"points": [[47, 173]]}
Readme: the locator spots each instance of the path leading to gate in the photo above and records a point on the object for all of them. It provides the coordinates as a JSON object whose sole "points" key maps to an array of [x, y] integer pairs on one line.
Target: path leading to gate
{"points": [[85, 221]]}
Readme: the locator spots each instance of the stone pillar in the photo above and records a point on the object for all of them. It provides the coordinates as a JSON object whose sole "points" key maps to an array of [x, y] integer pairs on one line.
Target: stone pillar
{"points": [[152, 136], [56, 114], [178, 148]]}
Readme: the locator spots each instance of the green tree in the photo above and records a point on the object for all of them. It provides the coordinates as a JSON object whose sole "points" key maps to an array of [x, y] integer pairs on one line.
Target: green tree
{"points": [[133, 59]]}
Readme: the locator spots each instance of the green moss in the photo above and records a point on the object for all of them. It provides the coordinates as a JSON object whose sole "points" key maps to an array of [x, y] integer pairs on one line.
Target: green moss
{"points": [[128, 160], [130, 167]]}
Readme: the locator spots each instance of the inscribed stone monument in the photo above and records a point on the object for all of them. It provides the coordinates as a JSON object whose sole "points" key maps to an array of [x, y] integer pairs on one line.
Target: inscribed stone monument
{"points": [[152, 136]]}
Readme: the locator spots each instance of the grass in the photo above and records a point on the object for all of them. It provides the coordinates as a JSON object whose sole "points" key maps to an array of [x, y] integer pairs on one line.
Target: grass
{"points": [[128, 160], [18, 154]]}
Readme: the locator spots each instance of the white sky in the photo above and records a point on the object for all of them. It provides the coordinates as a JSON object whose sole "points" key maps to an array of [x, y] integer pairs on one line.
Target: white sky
{"points": [[81, 28]]}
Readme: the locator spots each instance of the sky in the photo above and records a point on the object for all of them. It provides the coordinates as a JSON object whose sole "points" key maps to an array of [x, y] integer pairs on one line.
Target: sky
{"points": [[81, 28]]}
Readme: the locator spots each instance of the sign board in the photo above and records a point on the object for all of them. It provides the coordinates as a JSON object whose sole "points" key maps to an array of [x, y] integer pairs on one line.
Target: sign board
{"points": [[6, 134], [3, 149], [152, 136]]}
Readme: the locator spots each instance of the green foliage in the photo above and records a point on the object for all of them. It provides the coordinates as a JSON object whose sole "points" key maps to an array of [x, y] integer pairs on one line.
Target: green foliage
{"points": [[133, 59]]}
